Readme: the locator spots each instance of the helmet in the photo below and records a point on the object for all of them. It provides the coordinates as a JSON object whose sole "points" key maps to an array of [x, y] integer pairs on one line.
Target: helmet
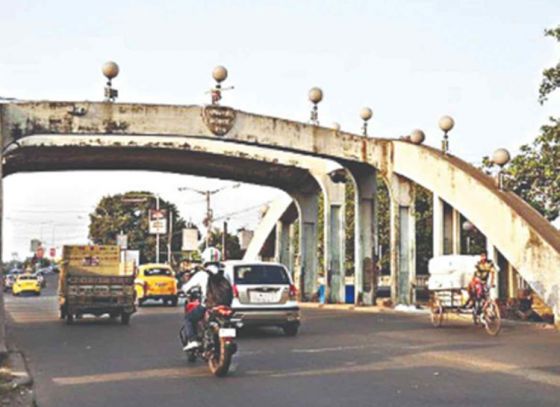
{"points": [[211, 255]]}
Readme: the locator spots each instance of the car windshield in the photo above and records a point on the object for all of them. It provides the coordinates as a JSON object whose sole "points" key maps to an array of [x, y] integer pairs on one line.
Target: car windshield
{"points": [[260, 274], [158, 272]]}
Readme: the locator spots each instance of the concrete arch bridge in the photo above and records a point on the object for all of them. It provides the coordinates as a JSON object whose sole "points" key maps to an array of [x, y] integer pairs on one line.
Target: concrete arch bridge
{"points": [[305, 161]]}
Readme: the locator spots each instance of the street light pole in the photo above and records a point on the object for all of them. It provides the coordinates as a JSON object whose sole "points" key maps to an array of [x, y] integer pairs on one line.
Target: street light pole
{"points": [[157, 234], [208, 193]]}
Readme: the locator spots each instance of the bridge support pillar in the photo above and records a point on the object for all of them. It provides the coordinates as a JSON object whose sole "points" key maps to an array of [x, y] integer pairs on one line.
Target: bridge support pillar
{"points": [[446, 228], [365, 235], [334, 239], [282, 248], [493, 255], [3, 348], [403, 241], [306, 276]]}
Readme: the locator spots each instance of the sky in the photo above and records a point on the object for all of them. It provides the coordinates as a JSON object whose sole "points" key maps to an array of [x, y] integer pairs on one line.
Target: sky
{"points": [[410, 61]]}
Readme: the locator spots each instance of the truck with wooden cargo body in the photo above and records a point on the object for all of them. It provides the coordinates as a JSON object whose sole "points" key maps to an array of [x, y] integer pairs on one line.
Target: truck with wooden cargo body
{"points": [[92, 282]]}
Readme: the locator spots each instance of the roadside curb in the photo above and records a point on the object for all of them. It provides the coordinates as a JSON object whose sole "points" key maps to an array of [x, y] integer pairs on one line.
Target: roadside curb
{"points": [[18, 367]]}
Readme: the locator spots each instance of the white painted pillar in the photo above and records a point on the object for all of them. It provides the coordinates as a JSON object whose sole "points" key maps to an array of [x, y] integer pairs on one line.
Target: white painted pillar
{"points": [[493, 255], [282, 243], [308, 215], [455, 231], [365, 236], [292, 250], [403, 241], [334, 238], [438, 216]]}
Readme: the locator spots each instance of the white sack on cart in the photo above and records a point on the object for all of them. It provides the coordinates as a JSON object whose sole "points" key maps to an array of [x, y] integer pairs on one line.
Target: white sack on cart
{"points": [[451, 272]]}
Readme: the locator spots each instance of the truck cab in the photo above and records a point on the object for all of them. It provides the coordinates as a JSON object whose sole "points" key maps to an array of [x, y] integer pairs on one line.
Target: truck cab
{"points": [[156, 282]]}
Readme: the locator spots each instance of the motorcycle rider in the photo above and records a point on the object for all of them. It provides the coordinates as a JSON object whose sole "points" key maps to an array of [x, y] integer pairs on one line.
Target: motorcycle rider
{"points": [[215, 290], [484, 270]]}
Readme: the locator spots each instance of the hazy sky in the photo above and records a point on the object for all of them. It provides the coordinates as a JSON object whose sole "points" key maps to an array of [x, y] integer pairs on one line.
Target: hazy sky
{"points": [[411, 61]]}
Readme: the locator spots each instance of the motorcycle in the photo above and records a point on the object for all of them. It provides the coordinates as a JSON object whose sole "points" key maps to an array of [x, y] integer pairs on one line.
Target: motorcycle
{"points": [[216, 332]]}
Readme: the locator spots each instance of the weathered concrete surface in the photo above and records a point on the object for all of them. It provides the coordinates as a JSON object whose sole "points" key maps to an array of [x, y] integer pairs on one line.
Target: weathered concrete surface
{"points": [[527, 241], [267, 224]]}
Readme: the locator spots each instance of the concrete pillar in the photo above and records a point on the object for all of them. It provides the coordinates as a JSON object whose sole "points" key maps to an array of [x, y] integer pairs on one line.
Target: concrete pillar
{"points": [[447, 228], [3, 348], [403, 241], [334, 239], [282, 246], [292, 250], [365, 235], [455, 231], [493, 255], [438, 214], [306, 276]]}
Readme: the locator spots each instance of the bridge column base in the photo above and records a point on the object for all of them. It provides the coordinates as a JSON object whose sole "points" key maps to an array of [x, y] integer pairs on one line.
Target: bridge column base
{"points": [[306, 276], [365, 234], [334, 239], [403, 241], [282, 248]]}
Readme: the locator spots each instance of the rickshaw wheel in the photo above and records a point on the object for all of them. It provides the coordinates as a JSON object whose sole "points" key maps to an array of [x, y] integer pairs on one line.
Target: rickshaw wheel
{"points": [[492, 319], [437, 313]]}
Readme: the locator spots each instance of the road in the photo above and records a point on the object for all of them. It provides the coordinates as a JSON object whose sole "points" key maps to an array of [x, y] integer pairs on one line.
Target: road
{"points": [[340, 358]]}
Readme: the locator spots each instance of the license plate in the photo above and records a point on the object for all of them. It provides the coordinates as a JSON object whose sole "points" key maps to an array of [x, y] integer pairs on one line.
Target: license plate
{"points": [[227, 333], [263, 297]]}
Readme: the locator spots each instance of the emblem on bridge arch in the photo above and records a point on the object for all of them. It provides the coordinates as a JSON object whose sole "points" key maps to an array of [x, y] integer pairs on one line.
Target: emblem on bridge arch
{"points": [[218, 119]]}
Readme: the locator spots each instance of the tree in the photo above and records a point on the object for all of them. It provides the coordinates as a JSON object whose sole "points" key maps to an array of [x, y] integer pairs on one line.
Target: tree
{"points": [[234, 251], [534, 173], [114, 215], [551, 76]]}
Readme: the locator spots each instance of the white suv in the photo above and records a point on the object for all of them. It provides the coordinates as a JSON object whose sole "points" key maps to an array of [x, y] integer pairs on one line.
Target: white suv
{"points": [[264, 294]]}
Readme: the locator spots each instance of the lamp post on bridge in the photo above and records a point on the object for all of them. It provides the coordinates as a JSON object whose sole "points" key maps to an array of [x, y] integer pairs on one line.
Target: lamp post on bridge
{"points": [[365, 114], [110, 70], [446, 124], [501, 157], [315, 96]]}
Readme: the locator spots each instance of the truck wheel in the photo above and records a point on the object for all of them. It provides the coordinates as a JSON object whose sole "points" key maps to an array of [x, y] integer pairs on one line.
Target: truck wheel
{"points": [[174, 301], [140, 302], [69, 319], [62, 313], [125, 318]]}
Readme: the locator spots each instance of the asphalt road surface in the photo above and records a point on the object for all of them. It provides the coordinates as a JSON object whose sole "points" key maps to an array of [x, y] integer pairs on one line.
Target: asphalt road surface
{"points": [[340, 358]]}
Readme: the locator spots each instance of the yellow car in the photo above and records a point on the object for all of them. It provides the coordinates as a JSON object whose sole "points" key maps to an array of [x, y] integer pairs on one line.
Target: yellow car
{"points": [[156, 282], [26, 283]]}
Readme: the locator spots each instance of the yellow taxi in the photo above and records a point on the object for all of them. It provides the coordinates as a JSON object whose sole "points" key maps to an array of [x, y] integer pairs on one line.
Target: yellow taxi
{"points": [[26, 283], [156, 282]]}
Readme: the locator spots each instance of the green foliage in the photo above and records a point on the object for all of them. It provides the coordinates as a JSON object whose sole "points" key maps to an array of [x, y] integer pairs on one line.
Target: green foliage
{"points": [[551, 76], [113, 216], [534, 173], [234, 251]]}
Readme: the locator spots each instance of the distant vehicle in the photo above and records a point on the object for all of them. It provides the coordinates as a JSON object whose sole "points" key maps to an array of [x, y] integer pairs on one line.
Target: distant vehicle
{"points": [[9, 280], [26, 283], [156, 282], [264, 295], [91, 283]]}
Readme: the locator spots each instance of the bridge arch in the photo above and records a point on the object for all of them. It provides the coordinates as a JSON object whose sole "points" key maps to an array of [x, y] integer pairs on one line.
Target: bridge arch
{"points": [[528, 241]]}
